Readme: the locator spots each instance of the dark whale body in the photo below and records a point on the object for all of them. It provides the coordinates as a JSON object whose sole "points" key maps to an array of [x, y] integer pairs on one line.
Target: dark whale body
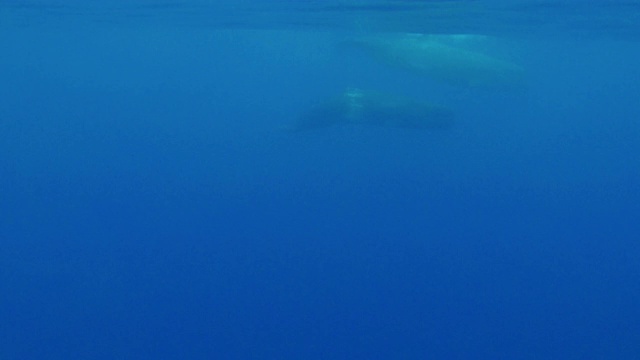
{"points": [[355, 106]]}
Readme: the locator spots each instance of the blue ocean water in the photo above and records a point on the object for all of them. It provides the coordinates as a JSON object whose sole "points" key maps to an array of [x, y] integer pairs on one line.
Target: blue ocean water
{"points": [[153, 205]]}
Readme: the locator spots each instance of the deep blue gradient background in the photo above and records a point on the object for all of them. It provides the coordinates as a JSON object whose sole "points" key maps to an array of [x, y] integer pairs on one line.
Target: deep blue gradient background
{"points": [[151, 207]]}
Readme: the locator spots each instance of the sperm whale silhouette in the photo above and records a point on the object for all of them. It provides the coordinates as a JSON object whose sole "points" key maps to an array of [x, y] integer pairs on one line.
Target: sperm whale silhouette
{"points": [[355, 106]]}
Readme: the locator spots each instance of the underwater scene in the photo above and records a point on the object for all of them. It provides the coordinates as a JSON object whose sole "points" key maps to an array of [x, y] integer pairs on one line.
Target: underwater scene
{"points": [[341, 179]]}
